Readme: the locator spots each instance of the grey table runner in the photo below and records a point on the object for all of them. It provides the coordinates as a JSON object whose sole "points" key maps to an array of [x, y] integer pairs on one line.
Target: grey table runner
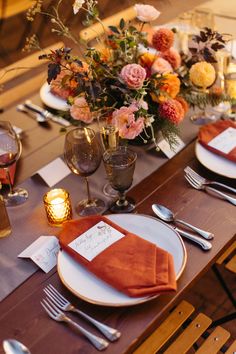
{"points": [[29, 221]]}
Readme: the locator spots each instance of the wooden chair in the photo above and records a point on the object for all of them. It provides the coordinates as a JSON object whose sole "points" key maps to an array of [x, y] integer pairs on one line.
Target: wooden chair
{"points": [[228, 261], [97, 29], [177, 334]]}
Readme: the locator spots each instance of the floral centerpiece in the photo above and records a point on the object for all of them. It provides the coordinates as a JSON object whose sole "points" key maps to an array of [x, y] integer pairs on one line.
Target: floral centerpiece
{"points": [[136, 80]]}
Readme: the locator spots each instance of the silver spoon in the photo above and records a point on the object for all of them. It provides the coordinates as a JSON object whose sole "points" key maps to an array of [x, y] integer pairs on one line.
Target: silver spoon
{"points": [[166, 214], [13, 346], [39, 117], [205, 245]]}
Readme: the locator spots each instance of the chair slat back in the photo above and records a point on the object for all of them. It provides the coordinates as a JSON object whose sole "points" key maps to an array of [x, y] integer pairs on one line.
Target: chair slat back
{"points": [[226, 254], [232, 348], [24, 65], [12, 7], [214, 342], [96, 30]]}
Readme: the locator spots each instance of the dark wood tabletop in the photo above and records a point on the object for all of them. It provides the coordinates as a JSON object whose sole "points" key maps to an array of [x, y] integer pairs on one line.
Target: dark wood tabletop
{"points": [[21, 315]]}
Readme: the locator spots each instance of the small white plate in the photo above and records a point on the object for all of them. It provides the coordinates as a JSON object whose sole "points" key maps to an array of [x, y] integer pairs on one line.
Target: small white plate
{"points": [[214, 162], [51, 100], [88, 287]]}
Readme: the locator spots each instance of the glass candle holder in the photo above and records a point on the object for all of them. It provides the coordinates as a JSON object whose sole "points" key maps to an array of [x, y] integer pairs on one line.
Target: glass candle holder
{"points": [[58, 206]]}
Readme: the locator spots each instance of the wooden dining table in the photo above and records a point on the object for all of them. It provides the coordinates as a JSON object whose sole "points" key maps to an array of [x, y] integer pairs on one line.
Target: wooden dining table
{"points": [[21, 314]]}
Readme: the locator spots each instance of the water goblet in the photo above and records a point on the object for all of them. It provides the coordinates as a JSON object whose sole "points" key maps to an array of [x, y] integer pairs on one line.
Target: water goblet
{"points": [[83, 155], [119, 165], [10, 151], [110, 140]]}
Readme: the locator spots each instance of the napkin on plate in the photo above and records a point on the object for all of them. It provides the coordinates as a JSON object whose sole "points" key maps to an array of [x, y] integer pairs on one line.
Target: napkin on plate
{"points": [[3, 177], [132, 265], [223, 146]]}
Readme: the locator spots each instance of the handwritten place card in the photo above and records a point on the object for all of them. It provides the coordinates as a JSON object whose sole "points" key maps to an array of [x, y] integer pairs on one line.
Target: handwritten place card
{"points": [[54, 172], [43, 252], [225, 141], [165, 147], [95, 240]]}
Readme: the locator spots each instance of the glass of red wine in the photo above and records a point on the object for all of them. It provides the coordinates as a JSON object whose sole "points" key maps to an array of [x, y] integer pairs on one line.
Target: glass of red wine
{"points": [[10, 151]]}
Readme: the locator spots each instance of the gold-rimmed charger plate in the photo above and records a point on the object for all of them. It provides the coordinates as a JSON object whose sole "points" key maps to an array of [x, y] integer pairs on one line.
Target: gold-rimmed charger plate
{"points": [[88, 287]]}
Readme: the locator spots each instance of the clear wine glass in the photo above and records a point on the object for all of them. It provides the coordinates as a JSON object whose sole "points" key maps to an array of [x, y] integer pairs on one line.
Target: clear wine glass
{"points": [[110, 140], [119, 165], [83, 156], [10, 151]]}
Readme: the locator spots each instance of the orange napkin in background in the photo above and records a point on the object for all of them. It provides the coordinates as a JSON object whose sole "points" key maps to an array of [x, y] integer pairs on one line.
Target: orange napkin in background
{"points": [[3, 177], [210, 131], [132, 265]]}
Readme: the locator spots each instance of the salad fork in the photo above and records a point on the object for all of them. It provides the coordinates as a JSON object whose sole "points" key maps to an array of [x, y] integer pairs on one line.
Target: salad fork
{"points": [[205, 181], [197, 185], [57, 315], [61, 302]]}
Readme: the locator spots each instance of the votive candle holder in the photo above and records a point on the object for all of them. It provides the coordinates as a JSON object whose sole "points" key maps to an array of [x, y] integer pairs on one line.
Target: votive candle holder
{"points": [[57, 206]]}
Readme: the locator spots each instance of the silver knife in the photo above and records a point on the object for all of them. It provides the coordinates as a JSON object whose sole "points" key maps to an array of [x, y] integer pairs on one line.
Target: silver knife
{"points": [[204, 244], [46, 114]]}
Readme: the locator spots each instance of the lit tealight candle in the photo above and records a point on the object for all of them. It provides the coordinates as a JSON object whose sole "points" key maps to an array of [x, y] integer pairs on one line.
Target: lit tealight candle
{"points": [[58, 207]]}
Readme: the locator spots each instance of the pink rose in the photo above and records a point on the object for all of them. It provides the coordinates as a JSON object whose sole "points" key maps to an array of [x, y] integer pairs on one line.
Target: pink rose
{"points": [[124, 120], [146, 13], [173, 57], [161, 66], [81, 111], [133, 75]]}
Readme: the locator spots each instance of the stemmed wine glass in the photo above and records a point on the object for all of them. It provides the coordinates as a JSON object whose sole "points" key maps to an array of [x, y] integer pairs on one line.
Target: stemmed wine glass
{"points": [[10, 151], [83, 156], [119, 165]]}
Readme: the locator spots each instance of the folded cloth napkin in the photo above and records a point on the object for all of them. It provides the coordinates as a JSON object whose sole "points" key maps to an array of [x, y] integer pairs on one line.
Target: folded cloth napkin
{"points": [[132, 265], [210, 131], [3, 176]]}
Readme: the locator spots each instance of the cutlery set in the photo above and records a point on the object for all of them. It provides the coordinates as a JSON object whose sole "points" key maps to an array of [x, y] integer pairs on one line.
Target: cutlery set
{"points": [[200, 183], [40, 114], [54, 304]]}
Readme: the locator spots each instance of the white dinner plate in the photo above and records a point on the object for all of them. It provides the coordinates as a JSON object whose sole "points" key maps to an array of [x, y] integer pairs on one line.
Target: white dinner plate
{"points": [[88, 287], [214, 162], [51, 100]]}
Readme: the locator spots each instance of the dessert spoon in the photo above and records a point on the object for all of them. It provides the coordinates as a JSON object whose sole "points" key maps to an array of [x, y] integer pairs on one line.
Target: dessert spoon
{"points": [[166, 214], [13, 346]]}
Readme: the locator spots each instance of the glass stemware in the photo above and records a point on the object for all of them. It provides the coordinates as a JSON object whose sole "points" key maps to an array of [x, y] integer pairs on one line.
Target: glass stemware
{"points": [[10, 151], [119, 165], [83, 156], [110, 140]]}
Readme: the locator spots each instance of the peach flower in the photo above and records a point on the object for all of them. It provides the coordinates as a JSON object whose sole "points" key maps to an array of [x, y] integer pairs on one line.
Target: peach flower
{"points": [[80, 110], [161, 66], [172, 110], [173, 57], [133, 75], [146, 13], [124, 120], [61, 87], [163, 39]]}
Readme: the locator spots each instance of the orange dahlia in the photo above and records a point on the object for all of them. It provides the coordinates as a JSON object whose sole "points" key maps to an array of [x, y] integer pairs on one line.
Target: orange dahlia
{"points": [[163, 39], [172, 110]]}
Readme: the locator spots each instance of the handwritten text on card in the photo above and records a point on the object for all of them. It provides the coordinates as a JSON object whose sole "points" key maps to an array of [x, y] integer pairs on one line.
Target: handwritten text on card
{"points": [[95, 240], [225, 141]]}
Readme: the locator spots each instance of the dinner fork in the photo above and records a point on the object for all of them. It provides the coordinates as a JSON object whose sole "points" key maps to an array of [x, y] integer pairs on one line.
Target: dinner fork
{"points": [[205, 181], [56, 314], [61, 302], [197, 185]]}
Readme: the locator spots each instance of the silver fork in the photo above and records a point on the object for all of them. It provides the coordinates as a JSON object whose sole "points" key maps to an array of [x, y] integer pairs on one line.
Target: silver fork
{"points": [[61, 302], [197, 185], [205, 181], [56, 314]]}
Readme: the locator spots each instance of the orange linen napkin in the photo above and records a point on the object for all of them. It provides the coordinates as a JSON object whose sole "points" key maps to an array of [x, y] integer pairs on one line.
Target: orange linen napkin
{"points": [[210, 131], [132, 265], [3, 177]]}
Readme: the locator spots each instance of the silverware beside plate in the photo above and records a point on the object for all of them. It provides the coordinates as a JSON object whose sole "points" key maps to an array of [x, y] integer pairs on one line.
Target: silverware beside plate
{"points": [[13, 346]]}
